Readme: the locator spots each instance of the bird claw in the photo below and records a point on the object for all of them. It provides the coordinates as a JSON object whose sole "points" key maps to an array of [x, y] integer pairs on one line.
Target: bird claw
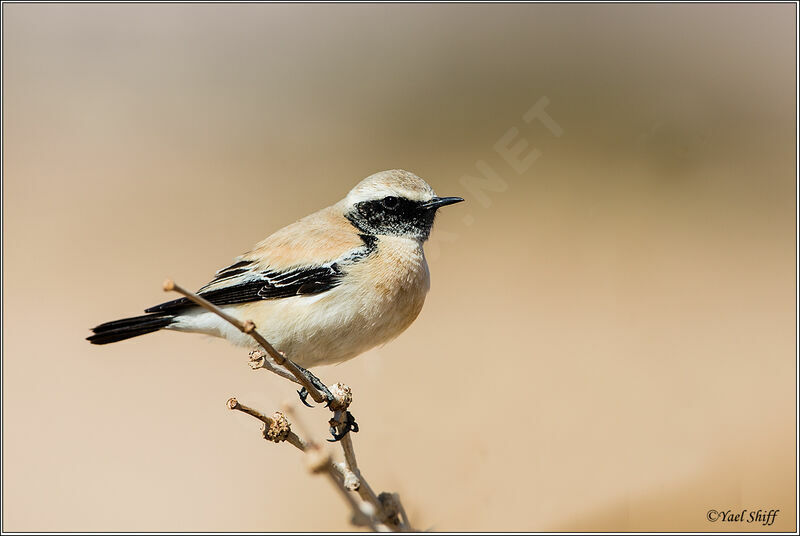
{"points": [[316, 382], [303, 396], [350, 425]]}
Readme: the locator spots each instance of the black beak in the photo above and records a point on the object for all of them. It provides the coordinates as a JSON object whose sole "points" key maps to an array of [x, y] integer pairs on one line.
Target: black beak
{"points": [[438, 202]]}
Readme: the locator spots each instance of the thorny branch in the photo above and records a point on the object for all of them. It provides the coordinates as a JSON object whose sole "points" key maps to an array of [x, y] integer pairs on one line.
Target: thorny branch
{"points": [[383, 512]]}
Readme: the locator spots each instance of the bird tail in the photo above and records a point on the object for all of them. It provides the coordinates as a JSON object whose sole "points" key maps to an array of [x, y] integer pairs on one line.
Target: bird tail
{"points": [[119, 330]]}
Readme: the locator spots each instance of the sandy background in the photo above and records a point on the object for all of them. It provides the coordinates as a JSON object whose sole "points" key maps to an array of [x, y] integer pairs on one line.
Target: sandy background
{"points": [[609, 339]]}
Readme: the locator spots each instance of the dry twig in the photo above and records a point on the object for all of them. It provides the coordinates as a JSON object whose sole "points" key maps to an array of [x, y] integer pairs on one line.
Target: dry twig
{"points": [[382, 512], [319, 461], [275, 428], [353, 479]]}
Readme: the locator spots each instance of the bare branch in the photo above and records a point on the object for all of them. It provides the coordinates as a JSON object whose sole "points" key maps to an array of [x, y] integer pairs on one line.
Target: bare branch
{"points": [[249, 328], [353, 479], [382, 512], [319, 461], [258, 359], [275, 428]]}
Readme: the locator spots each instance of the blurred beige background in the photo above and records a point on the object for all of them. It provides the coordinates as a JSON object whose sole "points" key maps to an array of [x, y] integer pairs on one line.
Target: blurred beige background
{"points": [[608, 343]]}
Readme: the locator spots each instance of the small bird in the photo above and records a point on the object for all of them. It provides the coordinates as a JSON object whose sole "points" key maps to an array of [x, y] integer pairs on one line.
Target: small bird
{"points": [[325, 288]]}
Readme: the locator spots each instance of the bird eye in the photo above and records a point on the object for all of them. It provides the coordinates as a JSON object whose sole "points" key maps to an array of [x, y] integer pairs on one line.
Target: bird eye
{"points": [[390, 202]]}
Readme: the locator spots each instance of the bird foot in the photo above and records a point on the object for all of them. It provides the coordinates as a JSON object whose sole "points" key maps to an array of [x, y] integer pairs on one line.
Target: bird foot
{"points": [[335, 404], [321, 387], [350, 425], [325, 391]]}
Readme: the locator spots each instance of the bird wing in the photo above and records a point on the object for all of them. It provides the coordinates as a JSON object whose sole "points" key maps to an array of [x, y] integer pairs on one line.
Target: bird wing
{"points": [[306, 257]]}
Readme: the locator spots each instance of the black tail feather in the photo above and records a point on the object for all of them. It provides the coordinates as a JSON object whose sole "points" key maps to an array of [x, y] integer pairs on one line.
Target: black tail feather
{"points": [[119, 330]]}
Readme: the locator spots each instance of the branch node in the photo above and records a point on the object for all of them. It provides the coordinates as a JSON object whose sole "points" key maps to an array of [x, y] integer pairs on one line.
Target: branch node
{"points": [[278, 430], [343, 396], [258, 359], [351, 481], [280, 359], [248, 326]]}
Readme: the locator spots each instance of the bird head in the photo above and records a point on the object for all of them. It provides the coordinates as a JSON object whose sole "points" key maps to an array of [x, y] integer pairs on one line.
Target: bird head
{"points": [[394, 203]]}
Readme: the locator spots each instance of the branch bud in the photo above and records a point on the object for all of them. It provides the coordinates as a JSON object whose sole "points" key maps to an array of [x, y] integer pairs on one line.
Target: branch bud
{"points": [[278, 430], [343, 396]]}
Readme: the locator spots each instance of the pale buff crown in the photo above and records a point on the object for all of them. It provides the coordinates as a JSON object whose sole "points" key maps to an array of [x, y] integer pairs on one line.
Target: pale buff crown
{"points": [[393, 182]]}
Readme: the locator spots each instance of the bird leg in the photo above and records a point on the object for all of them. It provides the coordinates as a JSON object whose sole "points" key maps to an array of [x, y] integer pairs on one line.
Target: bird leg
{"points": [[316, 382]]}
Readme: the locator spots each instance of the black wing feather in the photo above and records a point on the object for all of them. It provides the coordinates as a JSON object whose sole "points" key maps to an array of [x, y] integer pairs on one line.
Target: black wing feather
{"points": [[268, 285]]}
